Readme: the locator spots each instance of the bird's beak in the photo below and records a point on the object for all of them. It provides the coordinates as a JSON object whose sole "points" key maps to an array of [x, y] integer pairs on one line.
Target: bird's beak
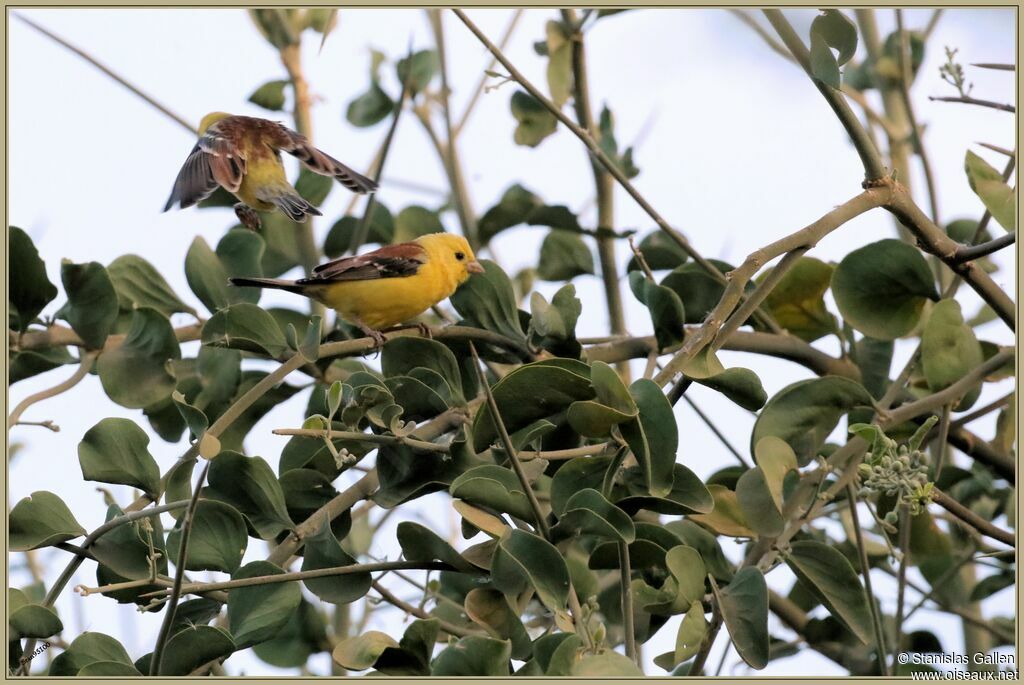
{"points": [[474, 267]]}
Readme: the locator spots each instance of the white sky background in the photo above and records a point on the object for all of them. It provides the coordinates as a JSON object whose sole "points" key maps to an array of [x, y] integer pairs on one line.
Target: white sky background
{"points": [[742, 150]]}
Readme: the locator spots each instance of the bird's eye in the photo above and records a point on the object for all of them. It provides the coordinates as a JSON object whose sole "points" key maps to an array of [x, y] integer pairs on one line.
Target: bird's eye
{"points": [[460, 256]]}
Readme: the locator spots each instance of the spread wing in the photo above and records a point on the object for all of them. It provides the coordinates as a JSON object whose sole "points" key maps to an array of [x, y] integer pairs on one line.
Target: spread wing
{"points": [[215, 160], [391, 261], [320, 162]]}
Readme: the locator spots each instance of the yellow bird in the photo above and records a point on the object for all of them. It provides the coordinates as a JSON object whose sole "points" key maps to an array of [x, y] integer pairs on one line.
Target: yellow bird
{"points": [[388, 286], [243, 156]]}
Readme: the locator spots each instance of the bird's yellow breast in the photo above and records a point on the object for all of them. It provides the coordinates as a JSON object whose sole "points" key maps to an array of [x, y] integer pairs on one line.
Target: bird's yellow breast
{"points": [[263, 170], [385, 302]]}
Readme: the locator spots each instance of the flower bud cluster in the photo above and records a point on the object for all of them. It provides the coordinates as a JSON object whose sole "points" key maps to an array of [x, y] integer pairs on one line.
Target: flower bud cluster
{"points": [[897, 472]]}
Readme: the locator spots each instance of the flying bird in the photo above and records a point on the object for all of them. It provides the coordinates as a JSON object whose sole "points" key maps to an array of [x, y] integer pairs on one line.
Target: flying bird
{"points": [[387, 286], [243, 156]]}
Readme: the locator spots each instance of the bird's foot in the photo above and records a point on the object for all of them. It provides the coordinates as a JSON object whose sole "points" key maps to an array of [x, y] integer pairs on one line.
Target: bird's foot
{"points": [[374, 334], [249, 217]]}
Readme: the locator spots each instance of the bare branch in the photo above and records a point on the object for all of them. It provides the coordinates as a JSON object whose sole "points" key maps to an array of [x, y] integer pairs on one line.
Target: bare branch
{"points": [[968, 100]]}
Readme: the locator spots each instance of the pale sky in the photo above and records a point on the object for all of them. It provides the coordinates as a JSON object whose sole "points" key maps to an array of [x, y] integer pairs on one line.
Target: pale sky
{"points": [[738, 149]]}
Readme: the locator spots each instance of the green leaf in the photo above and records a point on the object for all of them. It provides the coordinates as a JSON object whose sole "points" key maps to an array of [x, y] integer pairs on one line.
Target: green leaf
{"points": [[740, 385], [241, 253], [360, 652], [726, 518], [559, 70], [997, 196], [514, 208], [687, 496], [401, 356], [117, 451], [563, 256], [797, 302], [658, 425], [828, 574], [412, 656], [606, 664], [138, 284], [473, 656], [525, 561], [823, 63], [108, 668], [256, 613], [744, 606], [494, 487], [697, 289], [531, 392], [248, 485], [323, 551], [29, 363], [776, 459], [588, 513], [270, 95], [553, 326], [881, 288], [303, 635], [988, 586], [40, 520], [381, 229], [136, 373], [758, 504], [87, 648], [491, 610], [691, 633], [370, 108], [660, 252], [194, 646], [665, 307], [27, 619], [838, 31], [246, 327], [418, 70], [313, 187], [704, 542], [207, 276], [419, 543], [92, 301], [804, 413], [28, 288], [125, 551], [415, 221], [487, 301], [535, 122], [217, 541], [949, 350]]}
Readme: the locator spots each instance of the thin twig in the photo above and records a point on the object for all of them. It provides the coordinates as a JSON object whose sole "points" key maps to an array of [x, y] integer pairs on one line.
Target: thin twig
{"points": [[84, 365], [942, 439], [873, 168], [906, 78], [156, 662], [997, 67], [372, 438], [447, 627], [109, 72], [901, 591], [502, 43], [972, 252], [709, 637], [865, 568], [1001, 150], [932, 23], [718, 434], [359, 236], [968, 100], [983, 526], [595, 150], [625, 582], [450, 158], [984, 411]]}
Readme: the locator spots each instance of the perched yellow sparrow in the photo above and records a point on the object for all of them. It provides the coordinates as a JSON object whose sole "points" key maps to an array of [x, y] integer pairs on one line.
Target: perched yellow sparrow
{"points": [[243, 156], [388, 286]]}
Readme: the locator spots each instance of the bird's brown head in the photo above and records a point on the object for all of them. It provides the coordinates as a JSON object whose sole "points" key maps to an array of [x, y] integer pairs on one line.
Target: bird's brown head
{"points": [[211, 119]]}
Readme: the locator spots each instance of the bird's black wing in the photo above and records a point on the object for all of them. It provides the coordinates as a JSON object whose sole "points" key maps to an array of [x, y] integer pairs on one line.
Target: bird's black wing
{"points": [[391, 261], [195, 181]]}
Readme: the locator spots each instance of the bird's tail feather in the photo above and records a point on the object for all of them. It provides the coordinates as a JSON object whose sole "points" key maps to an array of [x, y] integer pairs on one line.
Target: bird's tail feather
{"points": [[296, 207], [274, 283]]}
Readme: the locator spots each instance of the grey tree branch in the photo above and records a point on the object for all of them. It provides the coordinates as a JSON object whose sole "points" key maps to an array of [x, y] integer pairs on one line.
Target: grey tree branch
{"points": [[967, 100]]}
